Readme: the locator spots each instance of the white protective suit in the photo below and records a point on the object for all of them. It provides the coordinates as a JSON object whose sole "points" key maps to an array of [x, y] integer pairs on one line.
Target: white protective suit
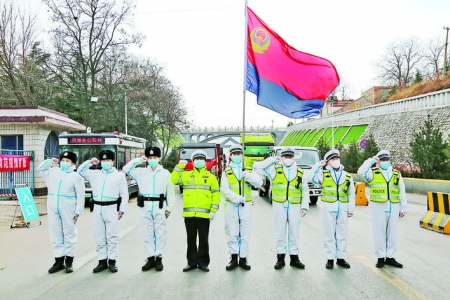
{"points": [[65, 199], [334, 216], [384, 215], [106, 186], [285, 214], [152, 183], [238, 218]]}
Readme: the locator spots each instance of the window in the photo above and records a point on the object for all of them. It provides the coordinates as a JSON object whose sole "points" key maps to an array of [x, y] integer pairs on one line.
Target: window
{"points": [[12, 142]]}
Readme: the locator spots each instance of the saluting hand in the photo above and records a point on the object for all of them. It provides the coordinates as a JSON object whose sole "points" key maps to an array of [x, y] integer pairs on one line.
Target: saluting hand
{"points": [[183, 162], [94, 161], [144, 158], [54, 160], [277, 158]]}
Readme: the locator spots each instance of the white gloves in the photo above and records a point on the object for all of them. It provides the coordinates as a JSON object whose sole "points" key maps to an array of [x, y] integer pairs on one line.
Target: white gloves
{"points": [[349, 215], [120, 214], [212, 216], [241, 200], [303, 212], [402, 214], [94, 161], [277, 158], [375, 158], [75, 218], [54, 160], [245, 175], [322, 163], [144, 158], [183, 162]]}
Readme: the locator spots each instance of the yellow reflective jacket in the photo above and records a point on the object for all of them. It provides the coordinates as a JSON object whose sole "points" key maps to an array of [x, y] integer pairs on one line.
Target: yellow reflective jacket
{"points": [[382, 191], [284, 190], [201, 192], [236, 186], [332, 192]]}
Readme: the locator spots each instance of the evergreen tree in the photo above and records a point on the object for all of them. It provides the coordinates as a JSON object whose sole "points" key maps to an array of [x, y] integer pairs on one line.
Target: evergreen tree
{"points": [[417, 78], [351, 157], [371, 150], [323, 148]]}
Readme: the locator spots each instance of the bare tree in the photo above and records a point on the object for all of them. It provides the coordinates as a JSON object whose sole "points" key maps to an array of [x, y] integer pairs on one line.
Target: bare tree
{"points": [[397, 65], [18, 33], [433, 57], [83, 32], [344, 89]]}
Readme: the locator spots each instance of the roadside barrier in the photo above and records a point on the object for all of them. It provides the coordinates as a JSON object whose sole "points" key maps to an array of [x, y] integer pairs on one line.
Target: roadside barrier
{"points": [[360, 194], [437, 217]]}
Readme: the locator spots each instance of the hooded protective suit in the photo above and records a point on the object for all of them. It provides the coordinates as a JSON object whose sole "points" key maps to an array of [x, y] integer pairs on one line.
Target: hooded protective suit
{"points": [[152, 183], [65, 199], [106, 186]]}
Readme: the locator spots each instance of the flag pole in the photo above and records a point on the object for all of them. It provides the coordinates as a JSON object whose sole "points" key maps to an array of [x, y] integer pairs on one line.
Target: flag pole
{"points": [[244, 82]]}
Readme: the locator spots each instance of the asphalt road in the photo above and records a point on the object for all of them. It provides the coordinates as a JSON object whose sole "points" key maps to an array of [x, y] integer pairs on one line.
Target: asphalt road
{"points": [[26, 255]]}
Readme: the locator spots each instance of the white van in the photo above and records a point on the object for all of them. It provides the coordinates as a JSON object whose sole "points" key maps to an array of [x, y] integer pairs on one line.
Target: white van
{"points": [[305, 157]]}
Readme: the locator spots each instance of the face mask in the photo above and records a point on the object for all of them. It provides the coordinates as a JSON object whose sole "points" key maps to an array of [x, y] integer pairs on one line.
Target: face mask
{"points": [[336, 163], [385, 165], [288, 162], [199, 164], [236, 159], [153, 162], [64, 165], [106, 165]]}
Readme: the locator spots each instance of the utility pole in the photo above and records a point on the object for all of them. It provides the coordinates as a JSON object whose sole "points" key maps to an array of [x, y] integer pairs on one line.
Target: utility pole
{"points": [[126, 117], [272, 125], [445, 52]]}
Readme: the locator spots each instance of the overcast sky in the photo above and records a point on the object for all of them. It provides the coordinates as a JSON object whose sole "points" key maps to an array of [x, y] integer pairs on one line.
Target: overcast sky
{"points": [[201, 44]]}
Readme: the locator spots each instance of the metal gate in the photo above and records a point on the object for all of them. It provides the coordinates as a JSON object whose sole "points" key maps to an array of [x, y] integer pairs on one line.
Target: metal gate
{"points": [[10, 178]]}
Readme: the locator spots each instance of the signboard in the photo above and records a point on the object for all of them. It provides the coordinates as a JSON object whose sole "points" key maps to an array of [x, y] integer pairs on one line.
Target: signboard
{"points": [[85, 140], [29, 209], [363, 144], [14, 163]]}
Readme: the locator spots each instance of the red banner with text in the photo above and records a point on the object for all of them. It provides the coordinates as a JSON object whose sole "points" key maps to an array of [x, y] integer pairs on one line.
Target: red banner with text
{"points": [[14, 163]]}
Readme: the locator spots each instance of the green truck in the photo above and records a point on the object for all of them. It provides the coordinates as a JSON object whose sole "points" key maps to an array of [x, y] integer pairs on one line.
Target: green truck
{"points": [[258, 146]]}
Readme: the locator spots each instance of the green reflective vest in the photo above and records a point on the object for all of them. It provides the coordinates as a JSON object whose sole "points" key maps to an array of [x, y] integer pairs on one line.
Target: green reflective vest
{"points": [[331, 191], [284, 190], [382, 191], [201, 192], [236, 185]]}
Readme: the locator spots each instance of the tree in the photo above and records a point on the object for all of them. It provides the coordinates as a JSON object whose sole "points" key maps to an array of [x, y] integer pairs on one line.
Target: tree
{"points": [[323, 147], [351, 157], [428, 149], [371, 149], [399, 61], [82, 34], [418, 78], [433, 57], [290, 123]]}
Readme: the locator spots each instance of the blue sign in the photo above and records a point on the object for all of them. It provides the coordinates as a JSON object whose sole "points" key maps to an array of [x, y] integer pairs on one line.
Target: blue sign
{"points": [[29, 209]]}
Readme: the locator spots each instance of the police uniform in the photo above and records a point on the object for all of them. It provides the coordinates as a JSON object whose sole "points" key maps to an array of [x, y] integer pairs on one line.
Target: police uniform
{"points": [[336, 206], [65, 202], [235, 187], [201, 199], [387, 202], [290, 199], [156, 196], [110, 195]]}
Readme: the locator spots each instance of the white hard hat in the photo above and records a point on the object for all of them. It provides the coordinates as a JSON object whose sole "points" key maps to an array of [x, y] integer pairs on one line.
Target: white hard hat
{"points": [[198, 153]]}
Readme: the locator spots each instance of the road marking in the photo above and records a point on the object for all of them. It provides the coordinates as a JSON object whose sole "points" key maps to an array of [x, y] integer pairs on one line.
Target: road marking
{"points": [[404, 288], [91, 255]]}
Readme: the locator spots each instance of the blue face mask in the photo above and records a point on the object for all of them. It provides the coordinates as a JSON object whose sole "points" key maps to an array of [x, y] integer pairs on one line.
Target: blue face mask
{"points": [[236, 159], [106, 165], [199, 164], [385, 165], [153, 162], [64, 165]]}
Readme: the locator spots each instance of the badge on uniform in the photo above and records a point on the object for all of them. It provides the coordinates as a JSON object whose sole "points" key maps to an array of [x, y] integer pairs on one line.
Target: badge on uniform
{"points": [[65, 153], [151, 151], [104, 156]]}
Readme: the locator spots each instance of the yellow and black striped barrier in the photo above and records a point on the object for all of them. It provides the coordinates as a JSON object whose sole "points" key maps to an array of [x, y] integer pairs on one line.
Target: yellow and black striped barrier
{"points": [[437, 217], [360, 194]]}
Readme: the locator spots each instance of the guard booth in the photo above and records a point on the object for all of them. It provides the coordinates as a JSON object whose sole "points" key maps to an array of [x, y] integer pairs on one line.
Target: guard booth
{"points": [[28, 136]]}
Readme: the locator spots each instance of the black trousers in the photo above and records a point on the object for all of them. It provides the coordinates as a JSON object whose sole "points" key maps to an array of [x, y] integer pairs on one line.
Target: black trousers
{"points": [[197, 256]]}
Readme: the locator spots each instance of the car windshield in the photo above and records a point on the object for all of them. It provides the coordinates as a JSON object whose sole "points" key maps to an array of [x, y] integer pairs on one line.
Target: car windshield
{"points": [[186, 153], [303, 157]]}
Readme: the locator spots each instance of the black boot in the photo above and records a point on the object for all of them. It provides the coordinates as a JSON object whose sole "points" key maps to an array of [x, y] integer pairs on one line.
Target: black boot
{"points": [[150, 264], [158, 264], [102, 265], [243, 263], [392, 262], [233, 262], [58, 265], [69, 261], [295, 262], [330, 264], [280, 261], [341, 262], [112, 265], [380, 263]]}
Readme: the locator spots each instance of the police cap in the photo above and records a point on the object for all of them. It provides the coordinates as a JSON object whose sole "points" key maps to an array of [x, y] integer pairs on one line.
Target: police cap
{"points": [[70, 155], [287, 151], [331, 154], [106, 154], [235, 148], [384, 154], [198, 154], [153, 151]]}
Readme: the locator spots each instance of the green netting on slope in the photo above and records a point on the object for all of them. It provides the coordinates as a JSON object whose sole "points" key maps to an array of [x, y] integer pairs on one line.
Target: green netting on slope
{"points": [[298, 137], [304, 137], [354, 134], [287, 140], [175, 139], [310, 136], [338, 135], [326, 136], [315, 138]]}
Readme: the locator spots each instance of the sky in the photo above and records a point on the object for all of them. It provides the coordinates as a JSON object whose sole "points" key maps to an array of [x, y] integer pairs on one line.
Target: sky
{"points": [[200, 43]]}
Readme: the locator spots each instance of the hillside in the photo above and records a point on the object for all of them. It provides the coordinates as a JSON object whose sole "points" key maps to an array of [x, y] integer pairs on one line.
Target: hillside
{"points": [[421, 88]]}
